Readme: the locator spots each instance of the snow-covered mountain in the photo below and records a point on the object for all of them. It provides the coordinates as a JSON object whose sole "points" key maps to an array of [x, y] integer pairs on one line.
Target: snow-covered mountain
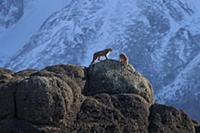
{"points": [[10, 12], [20, 19], [161, 38]]}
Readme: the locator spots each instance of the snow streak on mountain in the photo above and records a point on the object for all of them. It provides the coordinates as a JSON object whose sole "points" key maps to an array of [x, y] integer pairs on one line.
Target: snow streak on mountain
{"points": [[10, 12], [161, 38], [20, 19]]}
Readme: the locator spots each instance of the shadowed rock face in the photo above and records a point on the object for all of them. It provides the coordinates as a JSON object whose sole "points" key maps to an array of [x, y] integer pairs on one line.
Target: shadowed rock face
{"points": [[197, 129], [106, 97]]}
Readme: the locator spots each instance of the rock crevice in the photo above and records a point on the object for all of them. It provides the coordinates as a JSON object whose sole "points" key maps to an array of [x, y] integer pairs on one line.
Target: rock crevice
{"points": [[106, 97]]}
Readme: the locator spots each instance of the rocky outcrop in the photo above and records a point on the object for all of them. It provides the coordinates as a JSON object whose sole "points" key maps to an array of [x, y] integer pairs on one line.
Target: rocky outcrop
{"points": [[168, 119], [113, 77], [5, 75], [106, 97]]}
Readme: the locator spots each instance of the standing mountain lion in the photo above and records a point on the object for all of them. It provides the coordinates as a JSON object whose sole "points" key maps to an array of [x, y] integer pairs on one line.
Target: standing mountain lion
{"points": [[98, 54]]}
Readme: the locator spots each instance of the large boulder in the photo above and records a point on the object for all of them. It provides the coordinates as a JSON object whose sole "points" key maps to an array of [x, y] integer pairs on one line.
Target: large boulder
{"points": [[47, 100], [165, 119], [105, 113], [113, 77], [45, 97], [41, 100]]}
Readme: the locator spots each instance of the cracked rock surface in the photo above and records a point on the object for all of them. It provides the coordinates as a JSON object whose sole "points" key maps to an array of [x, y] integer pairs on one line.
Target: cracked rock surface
{"points": [[106, 97]]}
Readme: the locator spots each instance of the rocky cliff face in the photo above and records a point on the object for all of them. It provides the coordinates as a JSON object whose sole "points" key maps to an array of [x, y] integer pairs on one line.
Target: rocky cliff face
{"points": [[107, 97]]}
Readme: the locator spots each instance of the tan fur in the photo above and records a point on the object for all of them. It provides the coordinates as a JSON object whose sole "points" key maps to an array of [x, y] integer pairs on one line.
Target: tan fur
{"points": [[99, 54], [123, 58]]}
